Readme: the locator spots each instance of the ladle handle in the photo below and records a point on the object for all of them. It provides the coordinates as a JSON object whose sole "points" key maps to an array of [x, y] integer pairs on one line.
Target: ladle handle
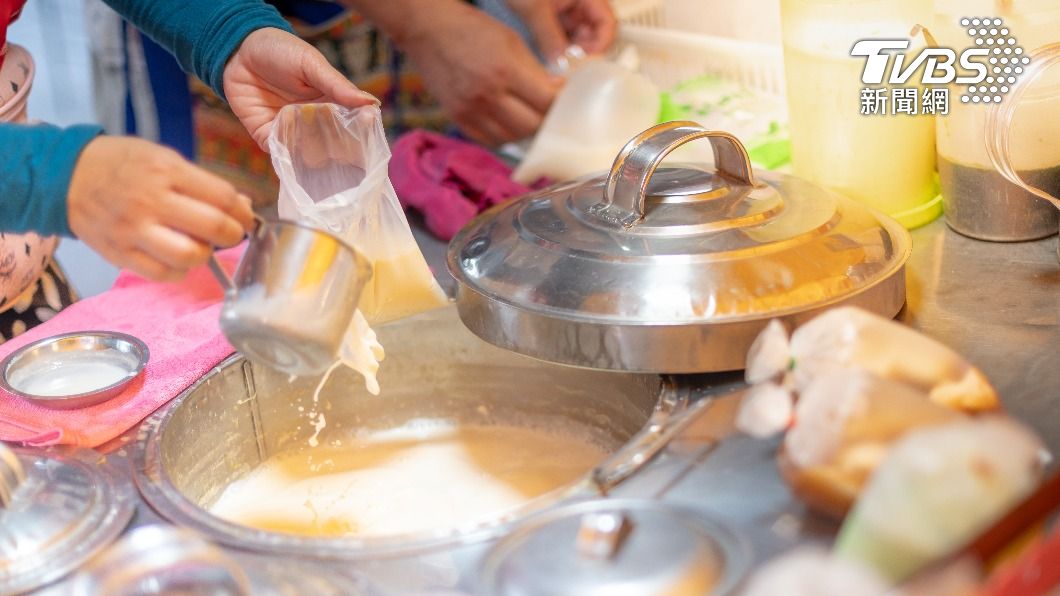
{"points": [[999, 121], [646, 445], [219, 272], [11, 475], [627, 183]]}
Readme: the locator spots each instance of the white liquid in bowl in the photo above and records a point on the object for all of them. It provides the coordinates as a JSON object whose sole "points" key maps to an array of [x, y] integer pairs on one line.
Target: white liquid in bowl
{"points": [[70, 378]]}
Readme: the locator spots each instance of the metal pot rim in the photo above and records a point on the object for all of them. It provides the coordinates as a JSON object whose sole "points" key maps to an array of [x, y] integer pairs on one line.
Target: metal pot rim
{"points": [[588, 275], [161, 493]]}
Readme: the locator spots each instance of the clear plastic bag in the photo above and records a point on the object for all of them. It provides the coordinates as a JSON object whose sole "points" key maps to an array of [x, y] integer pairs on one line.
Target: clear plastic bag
{"points": [[332, 164], [603, 105]]}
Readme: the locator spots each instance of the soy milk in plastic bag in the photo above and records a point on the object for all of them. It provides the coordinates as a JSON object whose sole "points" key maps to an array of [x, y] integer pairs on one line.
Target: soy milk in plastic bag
{"points": [[603, 105], [332, 165]]}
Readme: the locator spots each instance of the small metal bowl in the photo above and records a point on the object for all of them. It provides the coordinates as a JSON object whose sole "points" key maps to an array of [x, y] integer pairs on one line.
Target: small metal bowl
{"points": [[74, 370]]}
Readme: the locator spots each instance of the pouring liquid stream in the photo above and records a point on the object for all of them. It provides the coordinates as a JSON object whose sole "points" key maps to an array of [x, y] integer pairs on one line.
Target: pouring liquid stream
{"points": [[360, 351], [399, 287]]}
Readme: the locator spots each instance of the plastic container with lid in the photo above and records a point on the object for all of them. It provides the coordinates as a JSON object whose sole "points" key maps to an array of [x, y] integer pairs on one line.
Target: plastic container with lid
{"points": [[884, 161]]}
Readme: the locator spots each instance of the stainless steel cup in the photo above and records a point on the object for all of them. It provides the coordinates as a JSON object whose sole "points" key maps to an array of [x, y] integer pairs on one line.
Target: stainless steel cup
{"points": [[292, 297]]}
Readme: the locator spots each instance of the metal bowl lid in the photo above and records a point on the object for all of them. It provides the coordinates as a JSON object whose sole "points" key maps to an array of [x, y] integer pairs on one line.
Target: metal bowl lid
{"points": [[175, 560], [169, 559], [615, 546], [604, 271], [56, 511]]}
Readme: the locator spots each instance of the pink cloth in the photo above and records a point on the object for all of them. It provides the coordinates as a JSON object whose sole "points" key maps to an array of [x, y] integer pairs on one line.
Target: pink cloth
{"points": [[179, 324], [449, 181]]}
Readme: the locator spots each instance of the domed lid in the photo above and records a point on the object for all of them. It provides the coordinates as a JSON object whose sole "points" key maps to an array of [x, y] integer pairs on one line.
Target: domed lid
{"points": [[615, 547], [648, 250], [176, 560], [56, 511]]}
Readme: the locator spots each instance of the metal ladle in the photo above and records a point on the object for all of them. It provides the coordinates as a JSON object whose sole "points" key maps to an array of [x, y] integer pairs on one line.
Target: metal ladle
{"points": [[290, 302]]}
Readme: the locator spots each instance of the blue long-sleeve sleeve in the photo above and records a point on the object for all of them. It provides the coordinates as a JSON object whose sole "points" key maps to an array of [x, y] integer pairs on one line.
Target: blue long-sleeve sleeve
{"points": [[36, 163], [202, 34]]}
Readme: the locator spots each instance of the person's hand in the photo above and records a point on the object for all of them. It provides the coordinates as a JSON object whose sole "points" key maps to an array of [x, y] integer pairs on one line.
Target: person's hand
{"points": [[144, 207], [558, 24], [482, 73], [273, 68]]}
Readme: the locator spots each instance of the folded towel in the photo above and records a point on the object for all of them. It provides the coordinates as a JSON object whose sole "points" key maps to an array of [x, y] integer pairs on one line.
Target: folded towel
{"points": [[449, 181], [179, 324]]}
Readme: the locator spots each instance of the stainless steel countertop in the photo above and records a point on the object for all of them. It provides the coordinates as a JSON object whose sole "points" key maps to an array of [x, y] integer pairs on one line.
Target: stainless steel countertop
{"points": [[998, 304]]}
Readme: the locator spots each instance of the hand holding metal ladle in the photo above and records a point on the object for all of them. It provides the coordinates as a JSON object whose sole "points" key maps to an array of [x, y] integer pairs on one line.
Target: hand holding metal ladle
{"points": [[292, 297]]}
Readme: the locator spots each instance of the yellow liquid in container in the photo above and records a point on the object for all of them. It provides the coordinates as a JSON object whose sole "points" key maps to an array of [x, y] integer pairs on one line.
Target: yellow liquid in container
{"points": [[881, 160], [885, 162]]}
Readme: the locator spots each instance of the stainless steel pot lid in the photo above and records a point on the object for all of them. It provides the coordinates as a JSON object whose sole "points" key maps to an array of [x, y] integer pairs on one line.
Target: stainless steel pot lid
{"points": [[615, 546], [174, 560], [56, 511], [671, 269], [169, 559]]}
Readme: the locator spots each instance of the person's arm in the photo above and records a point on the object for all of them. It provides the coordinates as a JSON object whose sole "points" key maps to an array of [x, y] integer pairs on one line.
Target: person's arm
{"points": [[245, 51], [403, 20], [36, 164], [138, 204], [481, 71], [202, 34], [556, 24]]}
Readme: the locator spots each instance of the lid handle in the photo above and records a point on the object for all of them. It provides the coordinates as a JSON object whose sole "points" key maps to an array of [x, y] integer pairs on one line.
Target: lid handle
{"points": [[627, 183], [601, 533], [11, 475]]}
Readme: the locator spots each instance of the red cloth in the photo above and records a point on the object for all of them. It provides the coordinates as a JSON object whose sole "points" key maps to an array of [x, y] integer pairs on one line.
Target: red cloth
{"points": [[1036, 571], [179, 324], [9, 11], [449, 181]]}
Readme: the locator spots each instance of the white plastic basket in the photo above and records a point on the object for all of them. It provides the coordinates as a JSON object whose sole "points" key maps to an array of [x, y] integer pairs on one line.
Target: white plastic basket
{"points": [[669, 56], [647, 13]]}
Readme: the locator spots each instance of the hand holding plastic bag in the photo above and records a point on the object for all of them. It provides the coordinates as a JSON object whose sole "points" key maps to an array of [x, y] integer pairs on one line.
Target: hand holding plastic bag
{"points": [[332, 165], [602, 106]]}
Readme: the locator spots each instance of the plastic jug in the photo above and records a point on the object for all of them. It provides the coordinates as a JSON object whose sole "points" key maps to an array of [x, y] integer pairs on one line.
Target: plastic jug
{"points": [[980, 202], [884, 161], [602, 106], [1003, 132]]}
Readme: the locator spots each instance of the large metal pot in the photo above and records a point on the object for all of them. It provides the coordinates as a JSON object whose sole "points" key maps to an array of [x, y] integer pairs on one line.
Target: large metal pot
{"points": [[239, 415], [670, 269]]}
